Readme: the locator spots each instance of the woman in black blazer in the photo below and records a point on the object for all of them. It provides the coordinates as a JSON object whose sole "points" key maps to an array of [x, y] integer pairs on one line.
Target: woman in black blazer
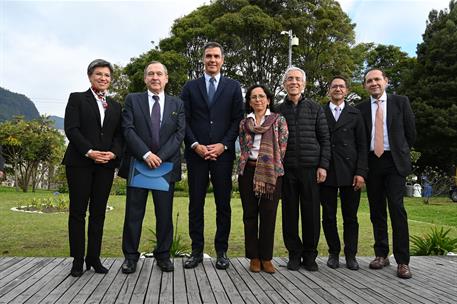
{"points": [[92, 125]]}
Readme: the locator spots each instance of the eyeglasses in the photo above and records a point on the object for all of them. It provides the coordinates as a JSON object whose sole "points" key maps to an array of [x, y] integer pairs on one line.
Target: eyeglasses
{"points": [[257, 97], [338, 86]]}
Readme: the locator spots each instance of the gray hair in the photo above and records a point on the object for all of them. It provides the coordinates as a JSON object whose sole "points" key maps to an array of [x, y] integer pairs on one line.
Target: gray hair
{"points": [[155, 62], [290, 69], [99, 63]]}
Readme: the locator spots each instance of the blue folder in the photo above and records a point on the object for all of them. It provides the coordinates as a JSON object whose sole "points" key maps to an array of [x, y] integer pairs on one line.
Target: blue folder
{"points": [[141, 176]]}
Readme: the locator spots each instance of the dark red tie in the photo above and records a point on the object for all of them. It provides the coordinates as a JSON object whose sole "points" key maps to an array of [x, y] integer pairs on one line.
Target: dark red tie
{"points": [[155, 123]]}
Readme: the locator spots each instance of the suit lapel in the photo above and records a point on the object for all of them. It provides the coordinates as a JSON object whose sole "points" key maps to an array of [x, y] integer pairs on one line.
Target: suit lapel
{"points": [[108, 111], [202, 86], [366, 110], [143, 103], [330, 118], [390, 109], [167, 109], [90, 99]]}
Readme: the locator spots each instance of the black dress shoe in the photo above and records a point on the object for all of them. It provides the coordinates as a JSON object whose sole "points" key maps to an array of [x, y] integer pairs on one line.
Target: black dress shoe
{"points": [[351, 263], [294, 263], [310, 265], [77, 267], [129, 266], [193, 260], [96, 264], [222, 261], [166, 265], [333, 261]]}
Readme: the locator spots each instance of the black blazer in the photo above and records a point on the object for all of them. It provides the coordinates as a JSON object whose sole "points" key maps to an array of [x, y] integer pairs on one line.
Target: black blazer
{"points": [[401, 129], [213, 124], [137, 130], [348, 145], [84, 131]]}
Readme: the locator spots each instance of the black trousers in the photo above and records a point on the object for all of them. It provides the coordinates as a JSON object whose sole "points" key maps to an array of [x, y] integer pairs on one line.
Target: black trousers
{"points": [[350, 200], [133, 222], [199, 173], [259, 217], [300, 195], [88, 187], [385, 189]]}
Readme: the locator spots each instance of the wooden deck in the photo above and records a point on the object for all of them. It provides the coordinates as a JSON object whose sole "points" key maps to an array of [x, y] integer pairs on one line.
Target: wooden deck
{"points": [[47, 280]]}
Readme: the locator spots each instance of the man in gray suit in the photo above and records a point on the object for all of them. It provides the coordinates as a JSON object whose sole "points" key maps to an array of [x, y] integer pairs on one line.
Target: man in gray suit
{"points": [[153, 125]]}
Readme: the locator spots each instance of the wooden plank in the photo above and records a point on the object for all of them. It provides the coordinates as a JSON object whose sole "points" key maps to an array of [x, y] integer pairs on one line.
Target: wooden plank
{"points": [[307, 283], [276, 292], [4, 260], [214, 283], [179, 282], [19, 276], [18, 286], [230, 289], [91, 285], [17, 269], [192, 291], [166, 288], [107, 280], [243, 289], [204, 286], [155, 281], [256, 290], [126, 290], [51, 283], [139, 293]]}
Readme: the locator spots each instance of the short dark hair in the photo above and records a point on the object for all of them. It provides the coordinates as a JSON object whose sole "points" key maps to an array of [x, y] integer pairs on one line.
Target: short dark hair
{"points": [[248, 109], [99, 63], [213, 44], [346, 83], [373, 69]]}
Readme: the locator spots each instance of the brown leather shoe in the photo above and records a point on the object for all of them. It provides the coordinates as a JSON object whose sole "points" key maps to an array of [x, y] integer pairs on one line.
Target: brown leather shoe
{"points": [[254, 266], [379, 263], [403, 271], [268, 267]]}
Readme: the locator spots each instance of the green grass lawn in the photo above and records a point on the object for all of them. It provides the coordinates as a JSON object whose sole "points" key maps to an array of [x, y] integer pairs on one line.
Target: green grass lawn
{"points": [[25, 234]]}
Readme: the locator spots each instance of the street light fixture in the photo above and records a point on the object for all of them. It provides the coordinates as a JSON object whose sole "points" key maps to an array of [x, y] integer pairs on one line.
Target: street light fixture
{"points": [[293, 41]]}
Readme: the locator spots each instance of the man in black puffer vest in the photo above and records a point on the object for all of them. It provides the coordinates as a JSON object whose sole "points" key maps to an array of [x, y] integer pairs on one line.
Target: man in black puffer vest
{"points": [[306, 163]]}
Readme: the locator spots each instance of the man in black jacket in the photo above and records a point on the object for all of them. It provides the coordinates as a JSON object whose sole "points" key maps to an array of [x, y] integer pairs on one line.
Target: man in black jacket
{"points": [[346, 175], [391, 132], [305, 164]]}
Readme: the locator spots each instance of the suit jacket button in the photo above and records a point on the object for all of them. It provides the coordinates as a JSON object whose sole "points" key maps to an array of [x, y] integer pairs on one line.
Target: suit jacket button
{"points": [[101, 134], [211, 122]]}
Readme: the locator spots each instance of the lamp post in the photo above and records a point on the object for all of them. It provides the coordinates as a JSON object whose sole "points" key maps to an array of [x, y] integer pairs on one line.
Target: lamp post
{"points": [[293, 41]]}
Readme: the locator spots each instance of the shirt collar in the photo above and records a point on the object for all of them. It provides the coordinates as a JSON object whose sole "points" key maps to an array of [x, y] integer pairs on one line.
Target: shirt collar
{"points": [[333, 106], [161, 95], [217, 77], [382, 98]]}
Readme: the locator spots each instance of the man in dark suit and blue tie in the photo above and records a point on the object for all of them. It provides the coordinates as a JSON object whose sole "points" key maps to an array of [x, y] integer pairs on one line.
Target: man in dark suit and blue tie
{"points": [[346, 174], [391, 133], [153, 125], [214, 109]]}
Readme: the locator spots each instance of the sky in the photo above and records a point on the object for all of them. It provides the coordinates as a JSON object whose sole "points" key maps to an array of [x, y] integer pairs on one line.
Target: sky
{"points": [[47, 45]]}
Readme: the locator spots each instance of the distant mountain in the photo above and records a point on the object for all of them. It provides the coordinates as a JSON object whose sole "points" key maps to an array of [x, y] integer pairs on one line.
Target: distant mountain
{"points": [[58, 122], [12, 104]]}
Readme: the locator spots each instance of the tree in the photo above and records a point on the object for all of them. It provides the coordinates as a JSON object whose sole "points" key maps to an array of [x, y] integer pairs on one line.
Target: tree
{"points": [[29, 145], [256, 52], [433, 90]]}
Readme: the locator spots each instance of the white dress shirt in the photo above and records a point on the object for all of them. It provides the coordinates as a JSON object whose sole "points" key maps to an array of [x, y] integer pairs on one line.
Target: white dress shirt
{"points": [[374, 107], [254, 152], [333, 106]]}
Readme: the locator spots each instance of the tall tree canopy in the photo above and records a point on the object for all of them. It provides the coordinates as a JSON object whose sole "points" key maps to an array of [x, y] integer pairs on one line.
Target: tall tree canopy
{"points": [[255, 50], [433, 89]]}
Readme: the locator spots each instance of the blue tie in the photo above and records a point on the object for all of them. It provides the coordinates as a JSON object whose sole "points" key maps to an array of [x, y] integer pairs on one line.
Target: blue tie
{"points": [[211, 90], [155, 123]]}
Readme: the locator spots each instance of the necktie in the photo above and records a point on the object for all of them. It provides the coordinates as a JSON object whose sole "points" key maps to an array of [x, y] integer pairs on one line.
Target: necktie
{"points": [[155, 123], [211, 89], [337, 113], [379, 130]]}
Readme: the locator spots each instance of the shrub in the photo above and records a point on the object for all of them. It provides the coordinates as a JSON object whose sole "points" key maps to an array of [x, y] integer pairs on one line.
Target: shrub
{"points": [[434, 243]]}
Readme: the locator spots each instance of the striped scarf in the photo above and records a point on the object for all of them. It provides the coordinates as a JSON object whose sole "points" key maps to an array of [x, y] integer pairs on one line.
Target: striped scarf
{"points": [[269, 159]]}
